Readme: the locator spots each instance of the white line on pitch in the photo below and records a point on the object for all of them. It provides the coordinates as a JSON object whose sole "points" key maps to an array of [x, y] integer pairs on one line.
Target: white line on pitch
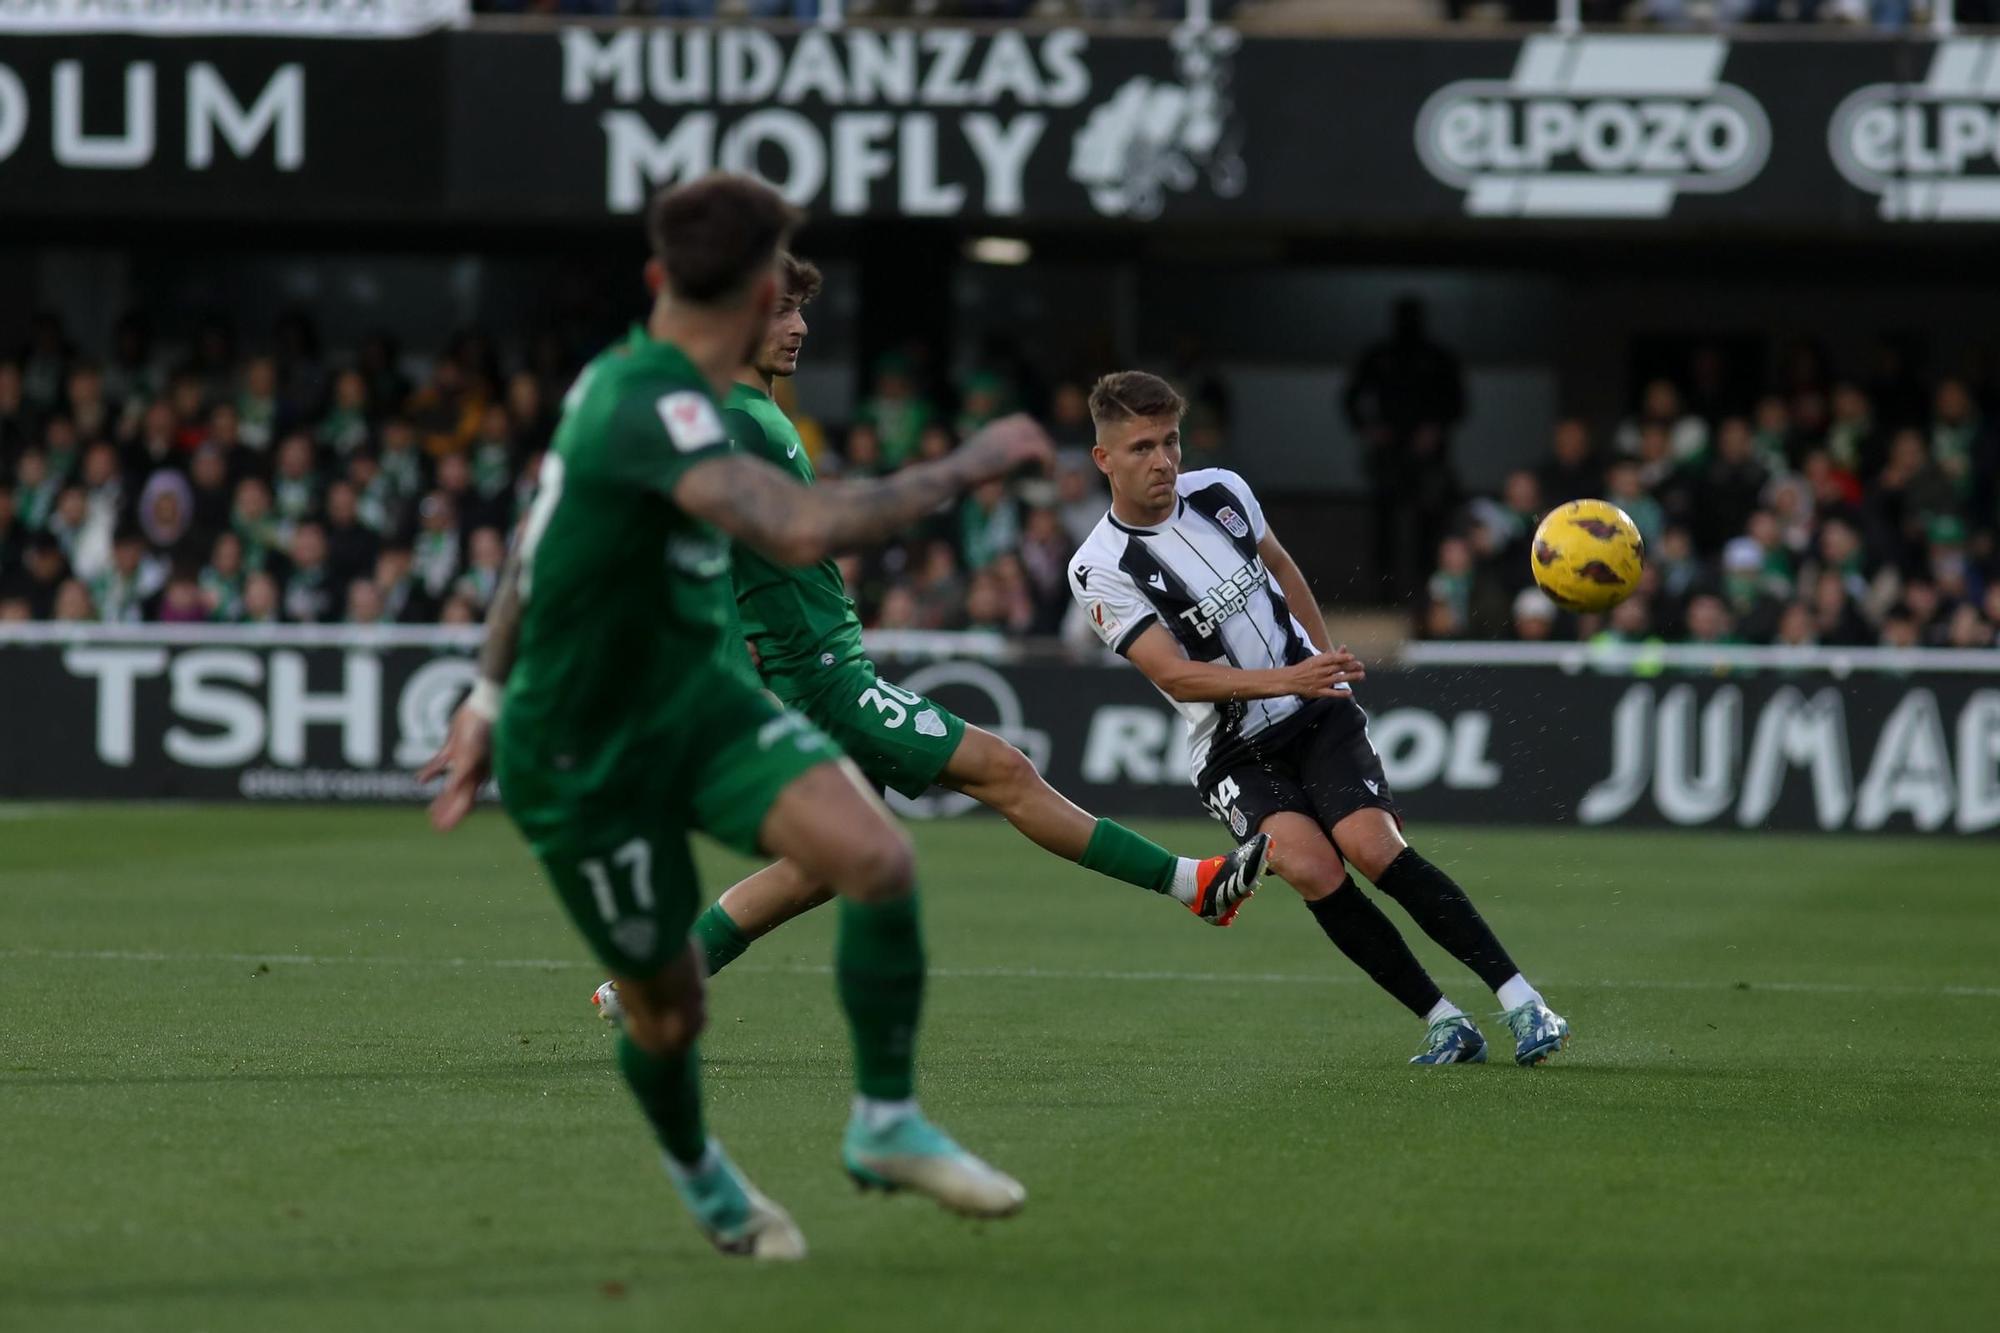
{"points": [[969, 973]]}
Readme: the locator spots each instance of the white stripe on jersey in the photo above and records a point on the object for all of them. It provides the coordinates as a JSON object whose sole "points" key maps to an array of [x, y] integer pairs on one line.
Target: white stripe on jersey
{"points": [[1197, 574]]}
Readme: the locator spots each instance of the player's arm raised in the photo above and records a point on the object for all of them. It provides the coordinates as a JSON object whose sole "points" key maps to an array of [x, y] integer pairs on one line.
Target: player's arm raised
{"points": [[797, 525], [1292, 583], [1156, 653]]}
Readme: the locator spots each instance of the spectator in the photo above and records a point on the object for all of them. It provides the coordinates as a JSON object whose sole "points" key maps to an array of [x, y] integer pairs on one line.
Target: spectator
{"points": [[1796, 627], [446, 412], [1622, 488], [1851, 439], [1403, 398], [60, 447], [344, 428], [257, 405], [14, 537], [181, 603], [1044, 554], [14, 422], [35, 490], [222, 579], [436, 554], [364, 603], [1836, 619], [1910, 491], [251, 519], [208, 491], [166, 516], [402, 598], [530, 419], [1534, 616], [1731, 487], [155, 446], [899, 609], [16, 610], [122, 591], [1660, 408], [1922, 605], [1968, 628], [1509, 523], [454, 479], [260, 599], [1630, 622], [862, 454], [493, 464], [1957, 443], [42, 572], [896, 411], [984, 397], [481, 580], [1450, 588], [1752, 595], [1572, 472], [939, 588], [351, 545], [295, 492], [402, 466], [45, 362], [1069, 422], [70, 525], [86, 405], [1708, 621], [989, 523], [456, 611], [73, 604], [309, 588]]}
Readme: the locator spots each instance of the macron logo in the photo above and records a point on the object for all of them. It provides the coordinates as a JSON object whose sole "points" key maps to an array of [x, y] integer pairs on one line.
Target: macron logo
{"points": [[1155, 581], [1610, 126]]}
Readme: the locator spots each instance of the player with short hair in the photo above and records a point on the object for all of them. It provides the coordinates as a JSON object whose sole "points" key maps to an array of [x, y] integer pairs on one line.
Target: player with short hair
{"points": [[805, 636], [1186, 579], [610, 709]]}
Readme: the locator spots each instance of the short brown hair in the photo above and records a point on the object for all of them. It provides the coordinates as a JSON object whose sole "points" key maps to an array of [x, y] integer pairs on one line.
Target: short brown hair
{"points": [[1126, 395], [802, 277], [713, 235]]}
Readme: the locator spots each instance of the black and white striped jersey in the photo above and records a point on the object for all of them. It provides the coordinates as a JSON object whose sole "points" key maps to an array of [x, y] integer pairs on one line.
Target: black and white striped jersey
{"points": [[1198, 575]]}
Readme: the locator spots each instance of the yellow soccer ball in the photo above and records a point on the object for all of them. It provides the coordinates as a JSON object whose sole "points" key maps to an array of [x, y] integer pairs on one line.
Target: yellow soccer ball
{"points": [[1587, 555]]}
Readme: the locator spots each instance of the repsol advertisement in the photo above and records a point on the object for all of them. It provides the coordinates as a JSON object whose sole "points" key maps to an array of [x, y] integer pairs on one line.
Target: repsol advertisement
{"points": [[1068, 125], [224, 721]]}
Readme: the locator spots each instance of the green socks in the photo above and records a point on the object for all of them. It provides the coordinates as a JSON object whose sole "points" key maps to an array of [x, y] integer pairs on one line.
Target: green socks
{"points": [[879, 968], [1117, 851], [717, 936], [669, 1091]]}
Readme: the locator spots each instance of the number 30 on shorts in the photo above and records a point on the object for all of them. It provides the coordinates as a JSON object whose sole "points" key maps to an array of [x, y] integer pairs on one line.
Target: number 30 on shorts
{"points": [[892, 703]]}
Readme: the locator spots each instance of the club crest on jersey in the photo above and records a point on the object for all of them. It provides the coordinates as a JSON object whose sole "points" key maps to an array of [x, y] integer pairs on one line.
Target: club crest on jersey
{"points": [[1233, 521]]}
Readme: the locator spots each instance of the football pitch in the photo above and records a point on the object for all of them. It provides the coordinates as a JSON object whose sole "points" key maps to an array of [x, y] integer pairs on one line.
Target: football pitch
{"points": [[319, 1069]]}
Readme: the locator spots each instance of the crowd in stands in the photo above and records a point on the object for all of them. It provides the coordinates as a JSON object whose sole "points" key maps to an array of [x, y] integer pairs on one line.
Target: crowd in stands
{"points": [[297, 487], [806, 10], [1889, 15], [1838, 510]]}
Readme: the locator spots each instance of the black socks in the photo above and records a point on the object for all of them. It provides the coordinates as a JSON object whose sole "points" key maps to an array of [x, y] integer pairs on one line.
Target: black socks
{"points": [[1358, 929], [1438, 906]]}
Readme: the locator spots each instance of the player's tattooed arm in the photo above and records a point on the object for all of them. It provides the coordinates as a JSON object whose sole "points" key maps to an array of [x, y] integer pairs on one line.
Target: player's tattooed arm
{"points": [[503, 623], [1156, 653], [1292, 583], [759, 505]]}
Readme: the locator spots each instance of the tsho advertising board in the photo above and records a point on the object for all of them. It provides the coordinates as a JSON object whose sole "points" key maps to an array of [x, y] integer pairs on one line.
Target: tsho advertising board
{"points": [[1514, 745]]}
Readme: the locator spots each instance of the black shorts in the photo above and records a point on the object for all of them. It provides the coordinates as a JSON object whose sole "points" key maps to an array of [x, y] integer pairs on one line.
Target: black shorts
{"points": [[1324, 769]]}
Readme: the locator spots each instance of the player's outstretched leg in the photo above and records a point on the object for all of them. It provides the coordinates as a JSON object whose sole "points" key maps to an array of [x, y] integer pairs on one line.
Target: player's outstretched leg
{"points": [[752, 908], [1371, 841], [1356, 926], [1000, 777], [829, 825], [663, 1014]]}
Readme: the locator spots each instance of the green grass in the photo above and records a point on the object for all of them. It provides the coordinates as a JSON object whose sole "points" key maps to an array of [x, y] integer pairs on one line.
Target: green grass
{"points": [[286, 1069]]}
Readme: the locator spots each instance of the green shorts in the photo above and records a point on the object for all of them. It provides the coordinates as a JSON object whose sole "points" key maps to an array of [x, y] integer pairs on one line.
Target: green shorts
{"points": [[615, 844], [901, 740]]}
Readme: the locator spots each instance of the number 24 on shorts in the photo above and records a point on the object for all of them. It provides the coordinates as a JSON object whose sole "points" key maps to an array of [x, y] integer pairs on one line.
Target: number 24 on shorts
{"points": [[893, 703]]}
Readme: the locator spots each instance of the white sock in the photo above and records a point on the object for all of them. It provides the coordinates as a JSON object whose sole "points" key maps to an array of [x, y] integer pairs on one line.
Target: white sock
{"points": [[682, 1173], [1515, 992], [1187, 881], [1443, 1009], [877, 1115]]}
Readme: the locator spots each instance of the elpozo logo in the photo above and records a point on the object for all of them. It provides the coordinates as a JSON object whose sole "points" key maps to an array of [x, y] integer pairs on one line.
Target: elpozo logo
{"points": [[1600, 127], [1929, 151]]}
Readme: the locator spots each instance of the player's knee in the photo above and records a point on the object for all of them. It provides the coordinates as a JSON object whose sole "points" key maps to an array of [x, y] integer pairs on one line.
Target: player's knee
{"points": [[1317, 878], [667, 1026], [880, 867], [1011, 772]]}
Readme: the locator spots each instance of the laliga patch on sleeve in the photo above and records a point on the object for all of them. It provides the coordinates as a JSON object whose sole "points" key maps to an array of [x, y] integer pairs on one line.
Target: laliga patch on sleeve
{"points": [[1104, 622], [691, 420]]}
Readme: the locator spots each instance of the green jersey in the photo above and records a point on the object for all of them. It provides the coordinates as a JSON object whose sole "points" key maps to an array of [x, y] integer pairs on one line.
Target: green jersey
{"points": [[801, 620], [623, 592]]}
